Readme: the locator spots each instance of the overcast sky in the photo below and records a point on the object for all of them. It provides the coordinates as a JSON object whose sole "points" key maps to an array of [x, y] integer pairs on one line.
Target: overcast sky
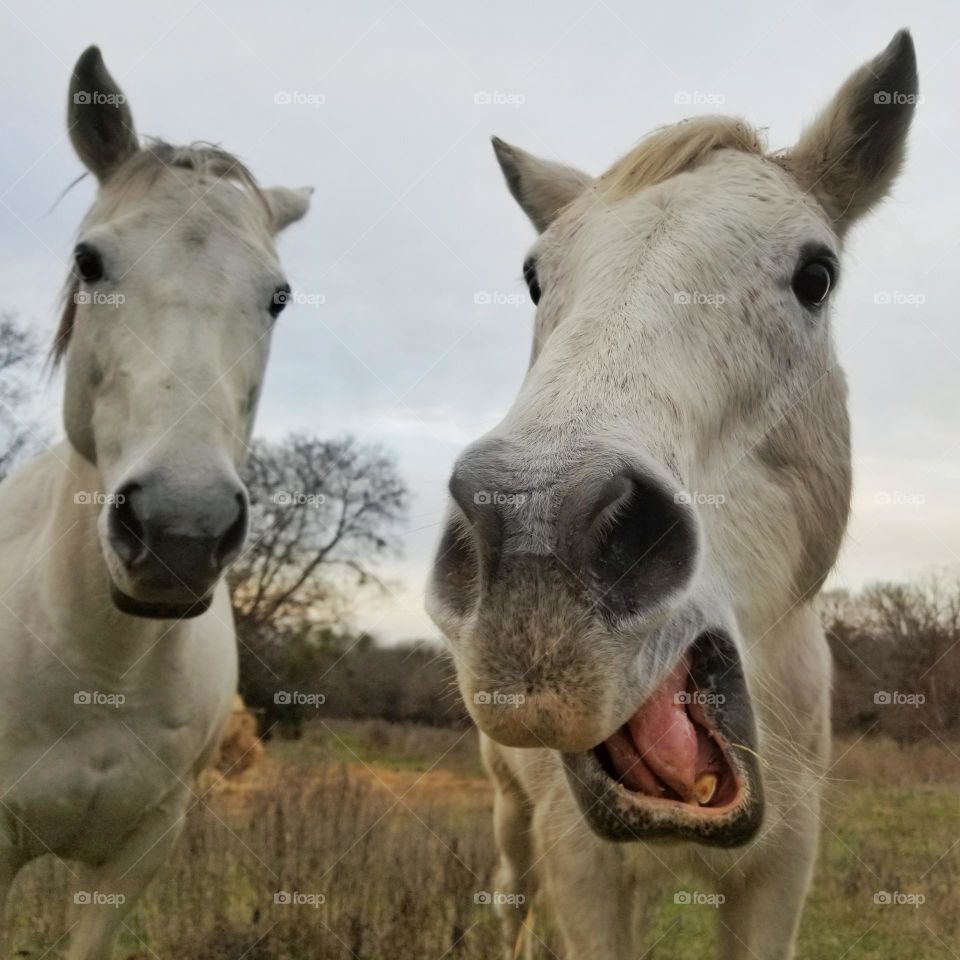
{"points": [[391, 108]]}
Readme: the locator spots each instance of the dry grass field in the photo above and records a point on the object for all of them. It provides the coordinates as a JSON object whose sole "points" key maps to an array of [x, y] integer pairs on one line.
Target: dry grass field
{"points": [[371, 841]]}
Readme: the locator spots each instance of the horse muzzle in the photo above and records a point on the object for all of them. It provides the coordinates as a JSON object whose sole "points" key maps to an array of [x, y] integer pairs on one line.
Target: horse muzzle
{"points": [[167, 545]]}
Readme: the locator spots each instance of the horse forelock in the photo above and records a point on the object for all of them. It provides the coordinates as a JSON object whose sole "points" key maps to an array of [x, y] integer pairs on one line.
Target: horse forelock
{"points": [[676, 149]]}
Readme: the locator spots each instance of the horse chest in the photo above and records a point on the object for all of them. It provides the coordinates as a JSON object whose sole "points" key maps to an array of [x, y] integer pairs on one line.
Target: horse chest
{"points": [[96, 783]]}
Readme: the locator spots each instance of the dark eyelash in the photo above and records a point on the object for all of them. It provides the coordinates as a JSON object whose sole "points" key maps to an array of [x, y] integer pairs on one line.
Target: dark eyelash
{"points": [[530, 276]]}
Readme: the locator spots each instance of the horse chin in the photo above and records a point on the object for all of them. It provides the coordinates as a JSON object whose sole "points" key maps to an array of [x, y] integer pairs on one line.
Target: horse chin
{"points": [[159, 609], [699, 778]]}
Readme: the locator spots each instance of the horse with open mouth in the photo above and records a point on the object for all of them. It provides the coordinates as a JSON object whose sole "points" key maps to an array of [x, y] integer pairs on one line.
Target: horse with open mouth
{"points": [[627, 570], [117, 644]]}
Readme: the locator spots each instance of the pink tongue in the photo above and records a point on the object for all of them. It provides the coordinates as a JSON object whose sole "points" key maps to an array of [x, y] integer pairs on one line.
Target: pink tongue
{"points": [[664, 735]]}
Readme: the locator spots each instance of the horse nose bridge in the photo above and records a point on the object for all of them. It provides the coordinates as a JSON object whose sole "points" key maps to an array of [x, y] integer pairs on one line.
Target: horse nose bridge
{"points": [[526, 500]]}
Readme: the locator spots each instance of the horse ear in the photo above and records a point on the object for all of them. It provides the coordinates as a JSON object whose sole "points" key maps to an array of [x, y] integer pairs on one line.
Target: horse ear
{"points": [[851, 154], [286, 205], [98, 119], [541, 187]]}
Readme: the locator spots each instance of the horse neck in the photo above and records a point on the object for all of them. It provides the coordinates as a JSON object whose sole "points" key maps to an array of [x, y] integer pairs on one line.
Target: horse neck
{"points": [[76, 585]]}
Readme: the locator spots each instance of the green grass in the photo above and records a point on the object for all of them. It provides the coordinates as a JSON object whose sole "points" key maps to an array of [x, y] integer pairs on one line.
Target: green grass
{"points": [[374, 742], [399, 844]]}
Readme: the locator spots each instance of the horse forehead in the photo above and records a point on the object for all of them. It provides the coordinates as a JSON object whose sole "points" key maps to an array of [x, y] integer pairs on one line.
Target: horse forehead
{"points": [[187, 206], [730, 202]]}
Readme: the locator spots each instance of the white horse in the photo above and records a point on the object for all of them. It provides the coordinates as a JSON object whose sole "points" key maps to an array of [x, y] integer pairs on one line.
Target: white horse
{"points": [[627, 571], [117, 647]]}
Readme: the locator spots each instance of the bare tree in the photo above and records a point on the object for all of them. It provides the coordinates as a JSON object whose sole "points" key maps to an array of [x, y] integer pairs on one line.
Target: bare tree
{"points": [[18, 355], [323, 512], [896, 648]]}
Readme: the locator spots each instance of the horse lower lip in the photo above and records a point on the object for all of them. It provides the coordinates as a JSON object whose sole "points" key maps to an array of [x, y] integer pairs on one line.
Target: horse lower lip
{"points": [[162, 610]]}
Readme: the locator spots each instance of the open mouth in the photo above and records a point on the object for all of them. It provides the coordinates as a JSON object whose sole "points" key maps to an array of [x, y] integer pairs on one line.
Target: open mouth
{"points": [[668, 750], [159, 610], [684, 764]]}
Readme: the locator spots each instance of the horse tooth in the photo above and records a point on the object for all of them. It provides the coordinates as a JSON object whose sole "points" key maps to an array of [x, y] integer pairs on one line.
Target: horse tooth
{"points": [[704, 788]]}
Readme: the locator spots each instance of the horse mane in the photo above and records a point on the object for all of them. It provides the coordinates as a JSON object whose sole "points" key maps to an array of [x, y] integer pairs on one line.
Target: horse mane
{"points": [[131, 181], [675, 149]]}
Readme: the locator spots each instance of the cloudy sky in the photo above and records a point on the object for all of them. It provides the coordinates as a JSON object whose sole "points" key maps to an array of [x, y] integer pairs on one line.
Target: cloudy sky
{"points": [[391, 105]]}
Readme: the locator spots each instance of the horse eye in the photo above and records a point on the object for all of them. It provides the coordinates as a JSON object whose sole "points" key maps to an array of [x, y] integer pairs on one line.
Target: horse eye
{"points": [[88, 262], [530, 276], [281, 297], [812, 282]]}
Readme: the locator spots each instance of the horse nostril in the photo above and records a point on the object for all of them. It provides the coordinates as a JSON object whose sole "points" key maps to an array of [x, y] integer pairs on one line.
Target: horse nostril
{"points": [[639, 542], [230, 543], [127, 532]]}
